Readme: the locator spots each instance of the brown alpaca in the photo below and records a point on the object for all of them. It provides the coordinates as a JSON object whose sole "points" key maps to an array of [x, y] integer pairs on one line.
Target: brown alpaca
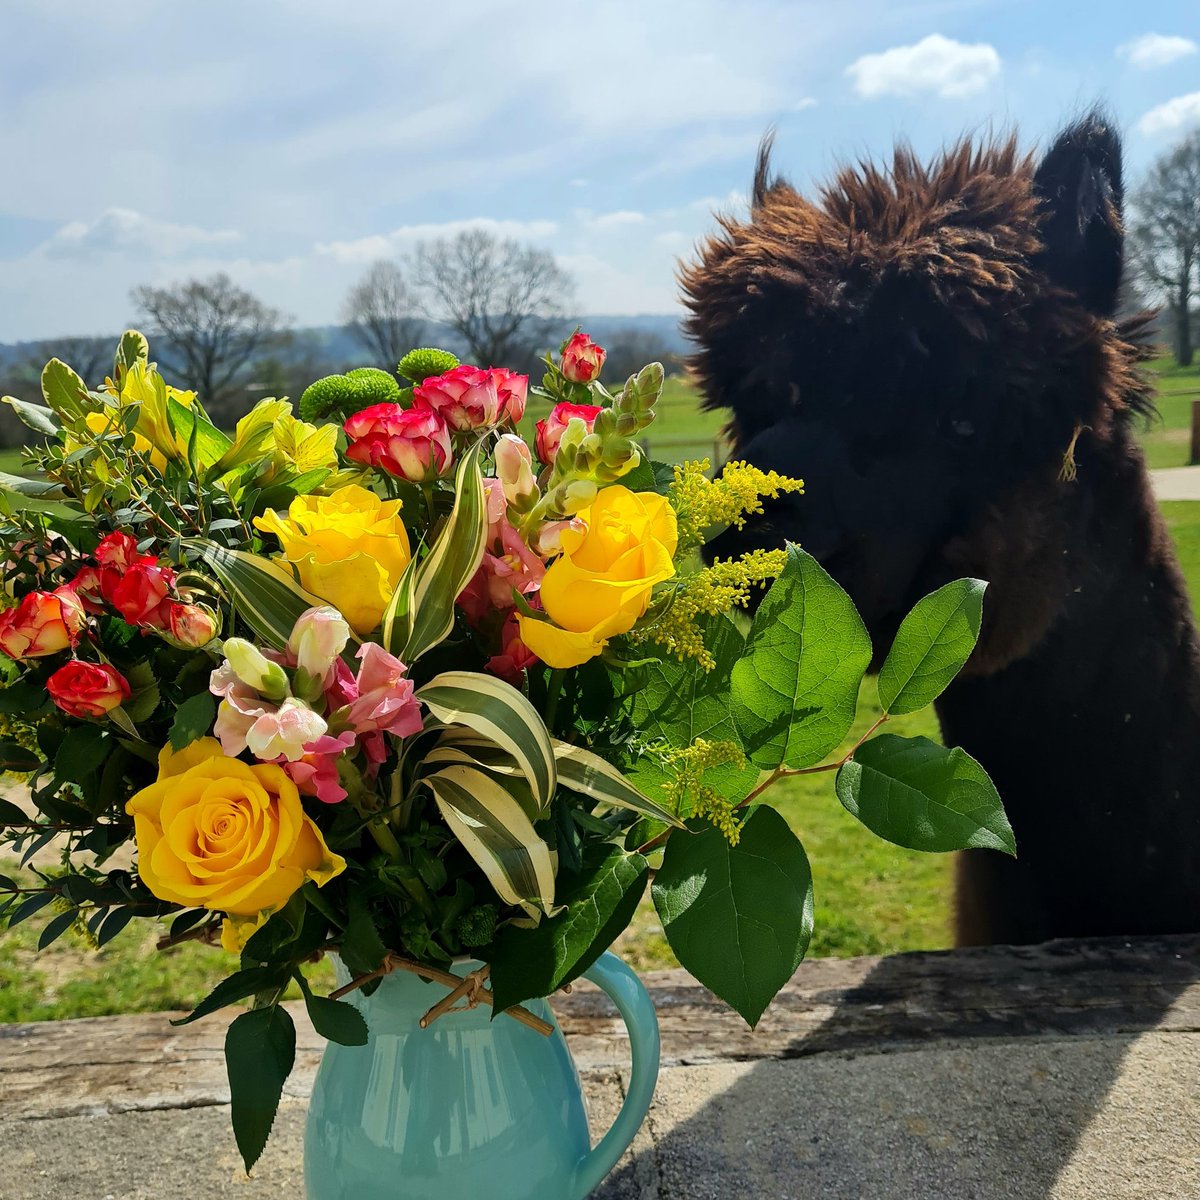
{"points": [[933, 349]]}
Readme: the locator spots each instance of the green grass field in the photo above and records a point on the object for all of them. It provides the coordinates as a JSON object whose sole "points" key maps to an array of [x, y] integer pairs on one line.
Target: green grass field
{"points": [[871, 898], [1167, 439]]}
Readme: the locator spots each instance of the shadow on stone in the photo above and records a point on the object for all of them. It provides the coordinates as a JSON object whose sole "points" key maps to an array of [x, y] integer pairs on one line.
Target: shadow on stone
{"points": [[1063, 1070]]}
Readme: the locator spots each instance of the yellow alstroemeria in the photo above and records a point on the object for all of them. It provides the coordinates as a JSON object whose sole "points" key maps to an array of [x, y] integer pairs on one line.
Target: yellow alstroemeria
{"points": [[146, 388]]}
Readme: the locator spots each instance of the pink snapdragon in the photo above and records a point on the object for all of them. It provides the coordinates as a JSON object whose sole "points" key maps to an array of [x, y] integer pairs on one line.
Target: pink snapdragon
{"points": [[508, 564], [514, 657], [315, 772], [385, 702], [514, 467], [286, 732]]}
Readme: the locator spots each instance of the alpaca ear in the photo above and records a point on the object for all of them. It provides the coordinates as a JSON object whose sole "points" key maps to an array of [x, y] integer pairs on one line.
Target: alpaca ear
{"points": [[1080, 185]]}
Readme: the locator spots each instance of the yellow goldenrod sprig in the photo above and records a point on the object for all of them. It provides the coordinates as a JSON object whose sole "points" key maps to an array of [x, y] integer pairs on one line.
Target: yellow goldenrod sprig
{"points": [[700, 502], [686, 791], [715, 589]]}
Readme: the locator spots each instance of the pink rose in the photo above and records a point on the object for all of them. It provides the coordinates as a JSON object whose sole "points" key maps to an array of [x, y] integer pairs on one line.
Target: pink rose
{"points": [[43, 623], [582, 359], [412, 444], [465, 398], [512, 390], [551, 429], [385, 695]]}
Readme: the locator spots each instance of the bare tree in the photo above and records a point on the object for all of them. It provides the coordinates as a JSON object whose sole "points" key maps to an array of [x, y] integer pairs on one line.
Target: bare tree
{"points": [[630, 349], [495, 294], [1165, 238], [90, 357], [379, 313], [213, 330]]}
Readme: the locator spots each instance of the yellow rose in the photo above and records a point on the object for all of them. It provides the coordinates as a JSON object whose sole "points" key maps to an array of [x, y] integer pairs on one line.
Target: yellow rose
{"points": [[350, 548], [601, 583], [215, 833]]}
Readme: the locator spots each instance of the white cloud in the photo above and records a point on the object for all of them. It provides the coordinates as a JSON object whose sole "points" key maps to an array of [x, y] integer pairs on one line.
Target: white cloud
{"points": [[622, 219], [934, 64], [1156, 50], [386, 245], [1183, 110], [122, 230], [806, 102]]}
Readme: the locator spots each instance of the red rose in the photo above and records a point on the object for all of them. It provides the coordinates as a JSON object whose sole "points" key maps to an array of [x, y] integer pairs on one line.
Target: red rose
{"points": [[140, 593], [514, 657], [43, 623], [550, 429], [582, 359], [513, 390], [83, 689], [117, 556], [413, 444]]}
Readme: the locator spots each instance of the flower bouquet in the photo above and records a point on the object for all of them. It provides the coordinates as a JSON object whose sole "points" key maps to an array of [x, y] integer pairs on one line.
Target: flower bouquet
{"points": [[376, 677]]}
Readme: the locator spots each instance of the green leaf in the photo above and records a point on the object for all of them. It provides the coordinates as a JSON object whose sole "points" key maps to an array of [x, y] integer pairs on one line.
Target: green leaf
{"points": [[931, 646], [495, 831], [268, 599], [239, 986], [449, 565], [35, 489], [64, 392], [503, 715], [334, 1020], [260, 1049], [599, 900], [132, 348], [39, 419], [795, 690], [590, 775], [680, 702], [739, 918], [193, 719], [82, 753], [18, 759], [915, 793], [56, 927], [361, 949], [210, 442]]}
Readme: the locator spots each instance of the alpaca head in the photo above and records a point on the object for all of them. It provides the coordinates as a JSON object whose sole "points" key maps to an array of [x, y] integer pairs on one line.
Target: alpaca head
{"points": [[914, 343]]}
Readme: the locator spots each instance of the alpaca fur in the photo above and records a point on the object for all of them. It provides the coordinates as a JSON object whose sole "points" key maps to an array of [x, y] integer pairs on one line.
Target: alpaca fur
{"points": [[934, 349]]}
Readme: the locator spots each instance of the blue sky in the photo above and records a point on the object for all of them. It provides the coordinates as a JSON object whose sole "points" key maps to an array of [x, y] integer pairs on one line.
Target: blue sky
{"points": [[291, 142]]}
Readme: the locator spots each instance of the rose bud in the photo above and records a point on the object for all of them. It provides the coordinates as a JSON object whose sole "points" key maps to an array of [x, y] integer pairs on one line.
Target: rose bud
{"points": [[413, 443], [514, 467], [582, 359], [43, 623], [512, 390], [551, 429], [189, 625], [465, 398], [84, 689]]}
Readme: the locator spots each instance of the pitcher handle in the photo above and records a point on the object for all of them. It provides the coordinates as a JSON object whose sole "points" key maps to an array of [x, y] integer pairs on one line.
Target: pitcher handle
{"points": [[633, 1002]]}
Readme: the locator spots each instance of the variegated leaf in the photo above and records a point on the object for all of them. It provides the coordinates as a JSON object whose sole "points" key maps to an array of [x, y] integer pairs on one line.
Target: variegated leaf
{"points": [[494, 829], [500, 713], [591, 775]]}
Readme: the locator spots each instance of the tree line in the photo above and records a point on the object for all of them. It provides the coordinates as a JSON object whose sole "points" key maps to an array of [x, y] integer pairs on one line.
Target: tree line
{"points": [[505, 303]]}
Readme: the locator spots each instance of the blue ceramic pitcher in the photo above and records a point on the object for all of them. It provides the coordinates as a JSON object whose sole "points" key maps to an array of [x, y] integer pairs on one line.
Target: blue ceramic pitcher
{"points": [[470, 1106]]}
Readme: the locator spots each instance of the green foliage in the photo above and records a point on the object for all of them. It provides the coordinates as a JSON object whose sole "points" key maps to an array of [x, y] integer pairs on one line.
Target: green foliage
{"points": [[599, 901], [794, 691], [260, 1050], [739, 918], [931, 646], [193, 719], [918, 794]]}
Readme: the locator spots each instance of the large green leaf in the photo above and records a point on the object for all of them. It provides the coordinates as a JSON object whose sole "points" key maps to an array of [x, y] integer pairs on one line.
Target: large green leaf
{"points": [[334, 1020], [64, 392], [193, 428], [494, 829], [795, 690], [260, 1049], [599, 903], [503, 715], [268, 599], [239, 986], [38, 489], [739, 918], [456, 554], [591, 775], [931, 645], [39, 419], [915, 793], [680, 702], [132, 348]]}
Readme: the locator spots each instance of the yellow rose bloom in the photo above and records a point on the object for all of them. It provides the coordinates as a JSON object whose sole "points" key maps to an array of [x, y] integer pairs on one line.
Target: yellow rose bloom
{"points": [[350, 548], [215, 833], [602, 582]]}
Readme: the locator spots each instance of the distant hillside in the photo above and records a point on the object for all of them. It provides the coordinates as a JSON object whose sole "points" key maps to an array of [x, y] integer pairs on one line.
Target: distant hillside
{"points": [[333, 344]]}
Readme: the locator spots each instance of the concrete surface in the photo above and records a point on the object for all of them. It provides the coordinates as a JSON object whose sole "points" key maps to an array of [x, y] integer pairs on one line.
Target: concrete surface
{"points": [[1176, 483]]}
